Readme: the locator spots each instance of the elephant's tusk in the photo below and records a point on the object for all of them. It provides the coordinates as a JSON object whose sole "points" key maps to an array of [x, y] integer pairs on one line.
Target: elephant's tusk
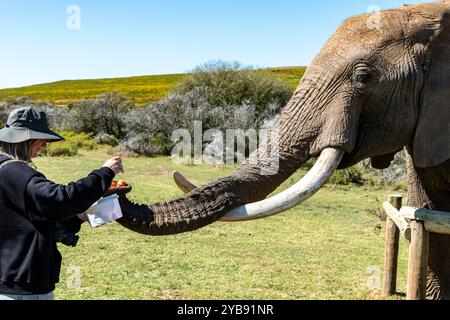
{"points": [[184, 184], [324, 167]]}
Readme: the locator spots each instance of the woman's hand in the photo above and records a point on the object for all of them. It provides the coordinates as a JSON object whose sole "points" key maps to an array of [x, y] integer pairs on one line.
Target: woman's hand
{"points": [[115, 164]]}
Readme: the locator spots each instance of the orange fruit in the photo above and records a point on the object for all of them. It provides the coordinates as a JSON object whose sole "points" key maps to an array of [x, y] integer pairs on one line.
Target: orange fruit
{"points": [[122, 183], [114, 184]]}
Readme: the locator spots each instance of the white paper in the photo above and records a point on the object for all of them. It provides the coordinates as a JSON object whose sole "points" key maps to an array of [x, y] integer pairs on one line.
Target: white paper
{"points": [[104, 211]]}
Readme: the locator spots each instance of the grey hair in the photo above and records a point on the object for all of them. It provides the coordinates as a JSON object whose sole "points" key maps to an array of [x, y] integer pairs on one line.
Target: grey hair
{"points": [[17, 151]]}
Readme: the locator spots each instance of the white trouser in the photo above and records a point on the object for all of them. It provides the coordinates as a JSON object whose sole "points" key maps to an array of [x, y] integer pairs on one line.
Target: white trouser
{"points": [[48, 296]]}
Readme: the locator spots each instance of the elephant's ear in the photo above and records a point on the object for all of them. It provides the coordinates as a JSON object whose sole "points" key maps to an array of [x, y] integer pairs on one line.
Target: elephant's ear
{"points": [[432, 137]]}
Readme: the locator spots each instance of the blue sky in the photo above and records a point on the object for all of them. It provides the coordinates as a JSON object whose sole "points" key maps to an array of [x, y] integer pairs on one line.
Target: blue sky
{"points": [[120, 38]]}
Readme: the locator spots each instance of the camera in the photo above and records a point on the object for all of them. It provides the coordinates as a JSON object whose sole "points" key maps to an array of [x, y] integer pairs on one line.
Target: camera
{"points": [[61, 235]]}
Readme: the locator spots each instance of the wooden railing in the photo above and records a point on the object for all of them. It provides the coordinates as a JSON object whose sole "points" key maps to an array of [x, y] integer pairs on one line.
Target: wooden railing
{"points": [[414, 225]]}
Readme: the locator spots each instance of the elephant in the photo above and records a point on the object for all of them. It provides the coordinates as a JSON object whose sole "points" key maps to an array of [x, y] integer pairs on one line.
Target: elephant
{"points": [[370, 93]]}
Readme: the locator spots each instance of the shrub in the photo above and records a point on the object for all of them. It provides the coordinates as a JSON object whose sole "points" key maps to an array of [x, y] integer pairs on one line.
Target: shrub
{"points": [[156, 123], [219, 94], [347, 176], [229, 83], [106, 139], [143, 144], [71, 145], [150, 129], [101, 115], [61, 149], [16, 102], [3, 117], [81, 140], [395, 175]]}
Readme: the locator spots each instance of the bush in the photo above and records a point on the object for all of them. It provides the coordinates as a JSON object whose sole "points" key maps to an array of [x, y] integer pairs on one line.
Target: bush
{"points": [[146, 145], [106, 139], [3, 117], [395, 176], [101, 115], [155, 124], [150, 129], [397, 172], [61, 149], [229, 83], [347, 176], [219, 94], [16, 102], [71, 145], [80, 140]]}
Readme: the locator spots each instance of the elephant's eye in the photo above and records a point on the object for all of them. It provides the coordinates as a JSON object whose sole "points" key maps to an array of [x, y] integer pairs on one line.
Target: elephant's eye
{"points": [[362, 78]]}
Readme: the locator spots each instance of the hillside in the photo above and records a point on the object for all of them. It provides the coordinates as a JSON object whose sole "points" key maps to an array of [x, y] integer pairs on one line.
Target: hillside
{"points": [[143, 89]]}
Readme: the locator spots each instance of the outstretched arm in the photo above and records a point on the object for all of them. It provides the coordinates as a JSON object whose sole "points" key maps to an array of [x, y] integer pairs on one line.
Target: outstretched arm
{"points": [[48, 201]]}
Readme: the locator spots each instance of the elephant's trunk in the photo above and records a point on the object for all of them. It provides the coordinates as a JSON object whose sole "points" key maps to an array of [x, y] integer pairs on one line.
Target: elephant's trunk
{"points": [[211, 202], [196, 210]]}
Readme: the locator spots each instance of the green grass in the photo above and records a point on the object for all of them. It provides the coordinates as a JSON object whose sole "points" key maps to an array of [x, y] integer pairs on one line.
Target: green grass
{"points": [[291, 75], [142, 89], [323, 249]]}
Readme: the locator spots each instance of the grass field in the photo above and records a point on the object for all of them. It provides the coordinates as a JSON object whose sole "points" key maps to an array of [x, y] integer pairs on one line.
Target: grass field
{"points": [[142, 89], [331, 247]]}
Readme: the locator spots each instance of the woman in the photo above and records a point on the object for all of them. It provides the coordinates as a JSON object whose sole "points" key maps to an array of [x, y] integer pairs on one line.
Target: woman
{"points": [[31, 205]]}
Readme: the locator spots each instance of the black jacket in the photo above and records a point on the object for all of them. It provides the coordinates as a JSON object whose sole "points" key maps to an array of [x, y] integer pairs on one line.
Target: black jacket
{"points": [[30, 205]]}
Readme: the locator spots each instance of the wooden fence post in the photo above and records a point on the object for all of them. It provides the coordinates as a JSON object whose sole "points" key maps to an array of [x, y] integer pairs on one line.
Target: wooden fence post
{"points": [[391, 250], [418, 261]]}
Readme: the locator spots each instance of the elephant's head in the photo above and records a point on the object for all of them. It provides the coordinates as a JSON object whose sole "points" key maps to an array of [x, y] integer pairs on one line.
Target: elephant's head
{"points": [[371, 91]]}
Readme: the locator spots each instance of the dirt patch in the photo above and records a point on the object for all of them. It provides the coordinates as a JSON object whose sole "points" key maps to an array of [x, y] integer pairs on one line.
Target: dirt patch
{"points": [[172, 295]]}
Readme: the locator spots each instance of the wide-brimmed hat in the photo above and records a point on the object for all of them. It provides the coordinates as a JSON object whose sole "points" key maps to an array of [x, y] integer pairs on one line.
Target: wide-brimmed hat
{"points": [[27, 124]]}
